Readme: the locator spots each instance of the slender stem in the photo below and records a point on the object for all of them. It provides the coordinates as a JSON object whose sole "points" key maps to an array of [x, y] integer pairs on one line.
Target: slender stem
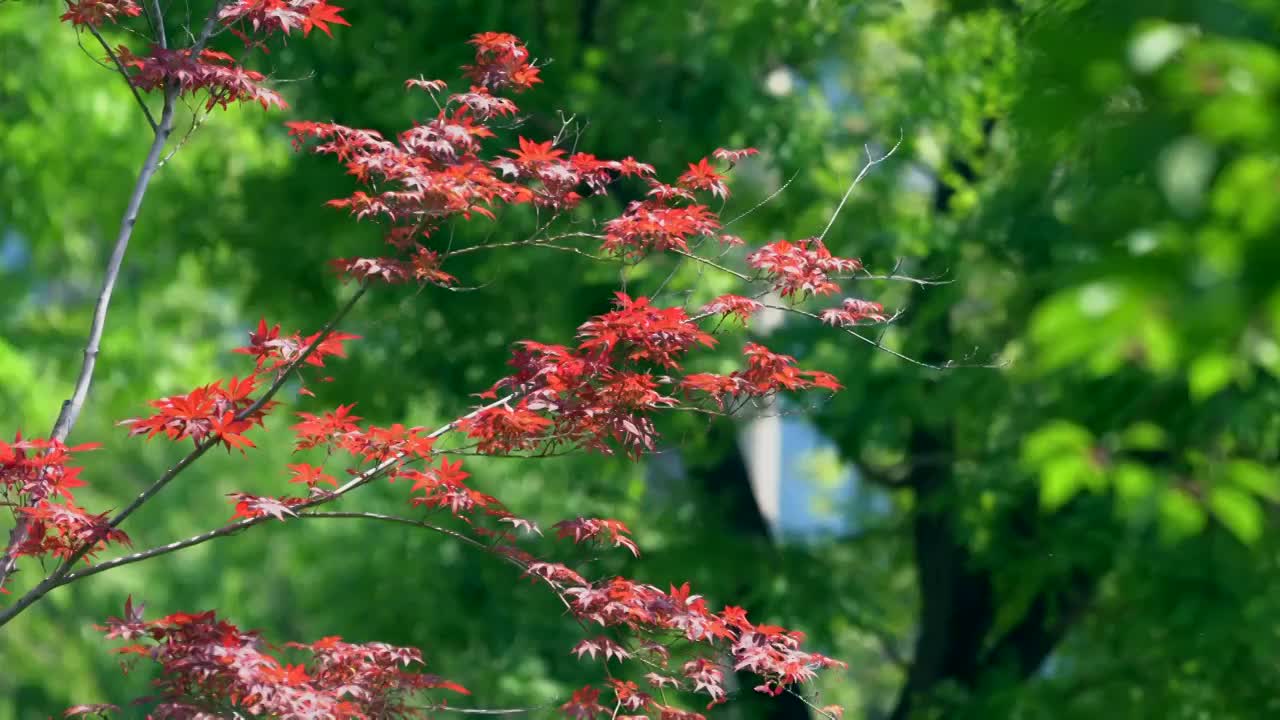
{"points": [[871, 162], [72, 406], [158, 16]]}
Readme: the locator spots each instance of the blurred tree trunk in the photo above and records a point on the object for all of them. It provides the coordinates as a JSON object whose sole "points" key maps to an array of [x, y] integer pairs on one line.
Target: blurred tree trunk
{"points": [[958, 645]]}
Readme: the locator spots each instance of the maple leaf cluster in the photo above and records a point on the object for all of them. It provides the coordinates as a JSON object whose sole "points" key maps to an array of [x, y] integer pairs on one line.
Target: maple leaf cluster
{"points": [[803, 267], [766, 373], [603, 390], [197, 69], [210, 70], [273, 353], [853, 311], [211, 668], [37, 479], [771, 652], [269, 16], [94, 13], [600, 392]]}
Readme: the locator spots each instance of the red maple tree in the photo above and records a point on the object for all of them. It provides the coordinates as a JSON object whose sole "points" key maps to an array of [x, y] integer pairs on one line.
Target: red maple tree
{"points": [[599, 392]]}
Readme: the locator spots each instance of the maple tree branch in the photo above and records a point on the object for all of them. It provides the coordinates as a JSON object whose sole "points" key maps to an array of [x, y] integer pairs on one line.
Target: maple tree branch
{"points": [[698, 258], [158, 22], [356, 515], [124, 73], [63, 575], [878, 343], [210, 22], [235, 527], [59, 576], [529, 243], [71, 407]]}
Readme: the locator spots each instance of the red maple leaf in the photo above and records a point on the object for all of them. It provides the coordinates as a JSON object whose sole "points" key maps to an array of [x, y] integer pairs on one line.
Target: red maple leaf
{"points": [[320, 15]]}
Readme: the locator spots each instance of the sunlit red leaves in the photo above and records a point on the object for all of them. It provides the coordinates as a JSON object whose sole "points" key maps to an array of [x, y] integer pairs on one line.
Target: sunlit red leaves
{"points": [[734, 156], [431, 86], [531, 155], [502, 61], [660, 681], [60, 530], [502, 429], [483, 104], [310, 475], [36, 468], [96, 12], [211, 71], [769, 370], [379, 444], [773, 653], [707, 677], [273, 352], [321, 430], [801, 268], [702, 175], [319, 15], [776, 655], [267, 16], [423, 267], [249, 507], [652, 225], [603, 530], [733, 305], [444, 487], [766, 373], [853, 311], [584, 705], [210, 409], [640, 331], [602, 645], [555, 573], [208, 665], [629, 166], [629, 695]]}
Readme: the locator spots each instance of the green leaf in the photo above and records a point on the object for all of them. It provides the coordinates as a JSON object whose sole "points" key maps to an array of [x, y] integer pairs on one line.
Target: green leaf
{"points": [[1181, 516], [1238, 511], [1256, 478], [1133, 482], [1063, 478], [1210, 373], [1144, 436], [1054, 440]]}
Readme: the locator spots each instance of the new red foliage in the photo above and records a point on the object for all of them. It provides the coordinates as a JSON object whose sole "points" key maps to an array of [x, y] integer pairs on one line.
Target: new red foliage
{"points": [[600, 394]]}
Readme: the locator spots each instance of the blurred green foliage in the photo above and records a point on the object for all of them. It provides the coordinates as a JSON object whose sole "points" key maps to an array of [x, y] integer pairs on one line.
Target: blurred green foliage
{"points": [[1082, 525]]}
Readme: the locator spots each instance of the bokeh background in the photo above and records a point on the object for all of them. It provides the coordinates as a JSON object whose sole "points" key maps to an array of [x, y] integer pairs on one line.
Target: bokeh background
{"points": [[1087, 529]]}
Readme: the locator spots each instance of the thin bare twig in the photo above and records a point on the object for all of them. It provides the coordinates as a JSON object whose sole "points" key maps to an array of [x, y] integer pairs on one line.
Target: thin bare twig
{"points": [[765, 201], [484, 711], [871, 162], [879, 345]]}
